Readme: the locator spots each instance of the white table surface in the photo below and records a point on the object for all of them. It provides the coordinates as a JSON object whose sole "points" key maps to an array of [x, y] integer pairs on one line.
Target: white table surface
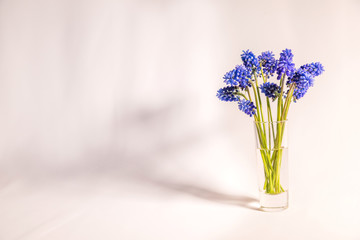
{"points": [[103, 207]]}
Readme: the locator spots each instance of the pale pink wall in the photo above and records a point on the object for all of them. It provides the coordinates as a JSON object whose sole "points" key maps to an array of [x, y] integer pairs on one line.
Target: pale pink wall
{"points": [[117, 85]]}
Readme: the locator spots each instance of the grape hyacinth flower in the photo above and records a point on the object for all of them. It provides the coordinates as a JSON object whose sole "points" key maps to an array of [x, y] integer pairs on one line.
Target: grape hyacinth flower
{"points": [[268, 63], [285, 64], [315, 69], [238, 77], [299, 92], [228, 94], [250, 61], [302, 79], [271, 90], [247, 107]]}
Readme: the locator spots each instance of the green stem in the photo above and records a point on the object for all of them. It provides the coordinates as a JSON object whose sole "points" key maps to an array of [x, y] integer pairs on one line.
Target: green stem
{"points": [[278, 187], [241, 94], [256, 99], [269, 123], [276, 158], [288, 101], [268, 169], [280, 97], [261, 110], [258, 113], [270, 118], [262, 73], [258, 95]]}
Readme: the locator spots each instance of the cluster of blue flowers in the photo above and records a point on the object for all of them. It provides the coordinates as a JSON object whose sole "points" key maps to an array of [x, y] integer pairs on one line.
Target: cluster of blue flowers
{"points": [[268, 63], [271, 90], [250, 61], [228, 94], [265, 66], [285, 64], [238, 77], [247, 107], [303, 78], [315, 69]]}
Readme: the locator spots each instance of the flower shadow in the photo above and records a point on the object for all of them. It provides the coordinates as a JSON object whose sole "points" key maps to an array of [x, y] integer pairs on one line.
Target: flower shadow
{"points": [[211, 195]]}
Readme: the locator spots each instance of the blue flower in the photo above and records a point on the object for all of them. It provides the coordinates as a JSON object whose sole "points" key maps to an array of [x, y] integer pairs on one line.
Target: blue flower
{"points": [[285, 64], [247, 107], [228, 94], [238, 77], [299, 92], [271, 90], [268, 63], [303, 81], [250, 61], [315, 69]]}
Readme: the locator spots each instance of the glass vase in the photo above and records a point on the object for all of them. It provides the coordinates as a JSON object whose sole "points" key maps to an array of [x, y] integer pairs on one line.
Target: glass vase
{"points": [[272, 164]]}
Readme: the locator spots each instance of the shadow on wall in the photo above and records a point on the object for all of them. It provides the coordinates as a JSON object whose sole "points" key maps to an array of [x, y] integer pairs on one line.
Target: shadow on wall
{"points": [[145, 136], [141, 138], [130, 141], [137, 141]]}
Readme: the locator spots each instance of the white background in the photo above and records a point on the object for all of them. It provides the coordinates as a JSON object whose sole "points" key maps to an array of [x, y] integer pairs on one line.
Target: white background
{"points": [[110, 128]]}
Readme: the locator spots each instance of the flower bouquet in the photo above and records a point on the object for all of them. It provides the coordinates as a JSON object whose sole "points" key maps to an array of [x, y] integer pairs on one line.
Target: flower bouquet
{"points": [[268, 103]]}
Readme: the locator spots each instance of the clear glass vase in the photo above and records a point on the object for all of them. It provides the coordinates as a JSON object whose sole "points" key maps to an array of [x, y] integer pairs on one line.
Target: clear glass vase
{"points": [[272, 164]]}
